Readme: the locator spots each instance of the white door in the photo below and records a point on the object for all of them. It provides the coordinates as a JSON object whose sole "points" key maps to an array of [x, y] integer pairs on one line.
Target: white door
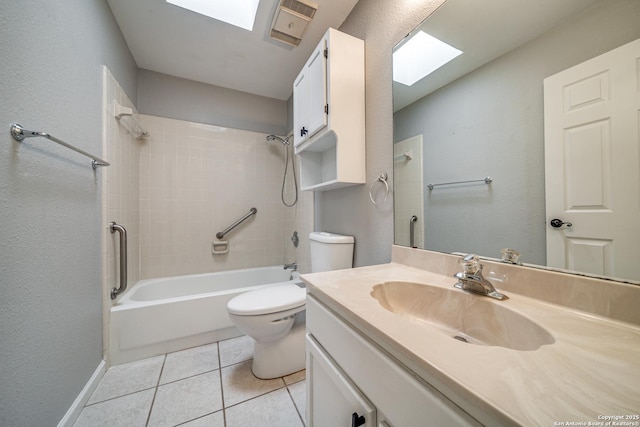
{"points": [[317, 72], [592, 164], [332, 399], [408, 197], [300, 107]]}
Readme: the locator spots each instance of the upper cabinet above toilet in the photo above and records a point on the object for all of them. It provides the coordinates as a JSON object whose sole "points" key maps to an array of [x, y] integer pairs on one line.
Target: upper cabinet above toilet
{"points": [[328, 114]]}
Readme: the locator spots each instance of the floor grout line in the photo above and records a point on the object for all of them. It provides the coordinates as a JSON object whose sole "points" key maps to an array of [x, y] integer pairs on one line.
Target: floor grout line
{"points": [[224, 412], [155, 392]]}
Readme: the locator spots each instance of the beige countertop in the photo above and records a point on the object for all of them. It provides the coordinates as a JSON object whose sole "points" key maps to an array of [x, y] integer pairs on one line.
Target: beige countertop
{"points": [[590, 372]]}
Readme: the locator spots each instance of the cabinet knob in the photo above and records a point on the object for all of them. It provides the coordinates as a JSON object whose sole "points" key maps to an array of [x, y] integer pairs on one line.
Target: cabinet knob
{"points": [[357, 420], [303, 131]]}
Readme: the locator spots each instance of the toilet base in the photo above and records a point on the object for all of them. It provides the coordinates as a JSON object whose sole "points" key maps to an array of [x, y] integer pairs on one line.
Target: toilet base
{"points": [[282, 357]]}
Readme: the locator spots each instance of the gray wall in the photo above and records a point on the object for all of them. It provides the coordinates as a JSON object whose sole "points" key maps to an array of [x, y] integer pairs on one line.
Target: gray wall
{"points": [[490, 122], [173, 97], [50, 262], [381, 24]]}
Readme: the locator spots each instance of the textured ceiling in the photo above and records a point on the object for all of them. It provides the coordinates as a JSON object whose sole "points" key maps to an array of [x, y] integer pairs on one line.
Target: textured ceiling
{"points": [[171, 40]]}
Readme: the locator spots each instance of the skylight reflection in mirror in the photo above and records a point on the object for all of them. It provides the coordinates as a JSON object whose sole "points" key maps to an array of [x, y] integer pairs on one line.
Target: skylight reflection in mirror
{"points": [[419, 56]]}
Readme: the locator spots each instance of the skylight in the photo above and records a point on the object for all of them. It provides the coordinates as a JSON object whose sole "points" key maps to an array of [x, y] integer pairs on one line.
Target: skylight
{"points": [[241, 13], [420, 56]]}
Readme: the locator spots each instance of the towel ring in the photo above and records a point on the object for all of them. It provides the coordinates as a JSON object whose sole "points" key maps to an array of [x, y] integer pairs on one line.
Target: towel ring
{"points": [[383, 179]]}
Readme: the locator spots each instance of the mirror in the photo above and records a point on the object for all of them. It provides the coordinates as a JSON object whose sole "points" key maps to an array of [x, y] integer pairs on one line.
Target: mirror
{"points": [[474, 128]]}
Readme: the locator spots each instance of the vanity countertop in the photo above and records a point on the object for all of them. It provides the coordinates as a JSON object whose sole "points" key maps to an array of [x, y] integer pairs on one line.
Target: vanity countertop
{"points": [[590, 372]]}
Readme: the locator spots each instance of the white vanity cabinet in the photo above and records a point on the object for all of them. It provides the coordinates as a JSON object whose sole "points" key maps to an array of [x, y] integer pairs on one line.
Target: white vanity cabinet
{"points": [[328, 114], [349, 377]]}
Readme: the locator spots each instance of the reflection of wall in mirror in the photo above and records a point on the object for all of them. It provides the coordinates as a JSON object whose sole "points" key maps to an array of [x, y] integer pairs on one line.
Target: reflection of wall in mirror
{"points": [[490, 123], [408, 198]]}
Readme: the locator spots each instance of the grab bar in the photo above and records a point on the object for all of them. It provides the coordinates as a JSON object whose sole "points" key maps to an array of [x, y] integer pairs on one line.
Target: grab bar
{"points": [[113, 227], [488, 180], [221, 234], [19, 133], [412, 224]]}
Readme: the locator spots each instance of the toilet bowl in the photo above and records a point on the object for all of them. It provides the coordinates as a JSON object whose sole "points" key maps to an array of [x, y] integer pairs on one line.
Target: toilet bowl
{"points": [[275, 316]]}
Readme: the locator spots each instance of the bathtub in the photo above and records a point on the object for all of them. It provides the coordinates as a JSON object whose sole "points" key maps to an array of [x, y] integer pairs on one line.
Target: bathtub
{"points": [[158, 316]]}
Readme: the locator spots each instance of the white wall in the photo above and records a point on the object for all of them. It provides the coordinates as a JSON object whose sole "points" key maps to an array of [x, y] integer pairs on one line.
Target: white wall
{"points": [[50, 260], [381, 24], [177, 98]]}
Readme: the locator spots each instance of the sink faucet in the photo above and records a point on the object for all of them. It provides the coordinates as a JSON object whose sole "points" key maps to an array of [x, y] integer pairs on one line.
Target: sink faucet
{"points": [[471, 279]]}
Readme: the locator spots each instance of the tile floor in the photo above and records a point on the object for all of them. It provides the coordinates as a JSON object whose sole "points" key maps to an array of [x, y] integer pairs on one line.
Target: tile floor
{"points": [[210, 385]]}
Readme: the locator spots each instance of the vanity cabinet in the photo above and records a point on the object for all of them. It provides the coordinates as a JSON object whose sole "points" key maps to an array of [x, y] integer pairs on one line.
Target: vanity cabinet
{"points": [[350, 377], [328, 114]]}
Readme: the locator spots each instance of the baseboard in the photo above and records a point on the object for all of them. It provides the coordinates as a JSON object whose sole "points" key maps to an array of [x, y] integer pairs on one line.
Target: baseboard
{"points": [[76, 407]]}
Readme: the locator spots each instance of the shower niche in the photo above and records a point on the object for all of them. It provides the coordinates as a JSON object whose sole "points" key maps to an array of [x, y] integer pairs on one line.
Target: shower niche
{"points": [[328, 114]]}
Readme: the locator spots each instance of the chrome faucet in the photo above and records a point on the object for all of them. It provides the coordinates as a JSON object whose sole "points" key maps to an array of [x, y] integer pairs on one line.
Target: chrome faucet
{"points": [[471, 279], [293, 267]]}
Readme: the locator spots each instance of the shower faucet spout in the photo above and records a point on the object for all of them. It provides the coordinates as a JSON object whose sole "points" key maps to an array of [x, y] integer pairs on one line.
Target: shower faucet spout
{"points": [[292, 266]]}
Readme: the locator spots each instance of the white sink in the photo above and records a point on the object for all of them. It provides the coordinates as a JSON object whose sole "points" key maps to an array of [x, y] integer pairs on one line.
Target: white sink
{"points": [[469, 318]]}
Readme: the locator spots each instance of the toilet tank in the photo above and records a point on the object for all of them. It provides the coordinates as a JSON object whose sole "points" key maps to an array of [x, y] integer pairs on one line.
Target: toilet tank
{"points": [[330, 251]]}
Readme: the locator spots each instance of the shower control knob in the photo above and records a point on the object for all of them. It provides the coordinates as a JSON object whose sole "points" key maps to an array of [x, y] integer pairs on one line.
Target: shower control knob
{"points": [[303, 131], [557, 223]]}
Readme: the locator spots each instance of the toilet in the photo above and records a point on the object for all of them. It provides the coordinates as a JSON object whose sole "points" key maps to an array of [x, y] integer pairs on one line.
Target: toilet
{"points": [[275, 316]]}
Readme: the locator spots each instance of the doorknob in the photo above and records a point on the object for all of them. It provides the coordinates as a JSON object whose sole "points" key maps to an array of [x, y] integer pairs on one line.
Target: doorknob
{"points": [[557, 223]]}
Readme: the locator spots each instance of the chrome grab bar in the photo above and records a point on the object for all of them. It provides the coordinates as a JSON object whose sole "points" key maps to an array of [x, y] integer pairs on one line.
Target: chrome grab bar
{"points": [[412, 226], [113, 227], [221, 234], [19, 133]]}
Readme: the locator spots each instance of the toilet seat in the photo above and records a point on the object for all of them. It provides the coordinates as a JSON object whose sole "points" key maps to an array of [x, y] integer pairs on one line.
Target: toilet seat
{"points": [[268, 300]]}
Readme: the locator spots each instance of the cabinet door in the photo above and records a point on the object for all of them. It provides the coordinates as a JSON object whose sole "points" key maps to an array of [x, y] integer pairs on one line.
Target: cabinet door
{"points": [[300, 107], [316, 70], [332, 399]]}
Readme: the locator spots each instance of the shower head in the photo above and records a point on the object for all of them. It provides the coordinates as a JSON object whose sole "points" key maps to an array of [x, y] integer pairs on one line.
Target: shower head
{"points": [[285, 141]]}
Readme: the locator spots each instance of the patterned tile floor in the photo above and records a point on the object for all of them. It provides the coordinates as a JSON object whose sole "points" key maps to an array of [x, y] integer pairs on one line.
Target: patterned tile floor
{"points": [[210, 385]]}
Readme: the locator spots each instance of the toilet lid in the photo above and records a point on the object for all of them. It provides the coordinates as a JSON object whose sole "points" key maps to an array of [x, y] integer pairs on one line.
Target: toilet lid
{"points": [[268, 300]]}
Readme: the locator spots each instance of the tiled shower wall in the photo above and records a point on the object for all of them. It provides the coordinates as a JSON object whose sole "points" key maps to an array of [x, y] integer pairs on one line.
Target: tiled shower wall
{"points": [[120, 192], [176, 188], [196, 180]]}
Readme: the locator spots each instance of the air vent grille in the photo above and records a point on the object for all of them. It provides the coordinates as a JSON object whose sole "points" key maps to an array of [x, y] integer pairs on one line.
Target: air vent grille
{"points": [[300, 7], [285, 38], [291, 19]]}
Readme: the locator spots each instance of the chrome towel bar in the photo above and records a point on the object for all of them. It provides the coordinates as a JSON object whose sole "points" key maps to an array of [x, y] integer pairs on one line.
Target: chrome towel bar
{"points": [[113, 227], [19, 133], [487, 180], [221, 234]]}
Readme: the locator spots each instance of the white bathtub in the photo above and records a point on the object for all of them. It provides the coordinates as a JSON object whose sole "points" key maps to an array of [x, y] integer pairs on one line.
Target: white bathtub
{"points": [[157, 316]]}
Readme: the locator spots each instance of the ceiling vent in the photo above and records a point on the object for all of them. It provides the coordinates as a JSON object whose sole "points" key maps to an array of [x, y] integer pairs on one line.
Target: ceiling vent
{"points": [[291, 19]]}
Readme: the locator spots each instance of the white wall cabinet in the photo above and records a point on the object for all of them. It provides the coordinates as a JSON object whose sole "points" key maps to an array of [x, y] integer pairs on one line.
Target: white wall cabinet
{"points": [[328, 114], [348, 374]]}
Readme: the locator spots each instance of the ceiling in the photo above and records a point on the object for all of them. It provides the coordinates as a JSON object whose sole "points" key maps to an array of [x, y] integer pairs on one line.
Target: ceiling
{"points": [[172, 40]]}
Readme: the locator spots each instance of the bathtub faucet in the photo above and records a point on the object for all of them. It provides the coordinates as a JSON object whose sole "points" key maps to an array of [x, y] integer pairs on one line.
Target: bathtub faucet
{"points": [[293, 267]]}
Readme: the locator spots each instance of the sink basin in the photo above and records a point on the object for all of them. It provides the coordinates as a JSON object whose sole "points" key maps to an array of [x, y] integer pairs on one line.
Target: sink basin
{"points": [[468, 318]]}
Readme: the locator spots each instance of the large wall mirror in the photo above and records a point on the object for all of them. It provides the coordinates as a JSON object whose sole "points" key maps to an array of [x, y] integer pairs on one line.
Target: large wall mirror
{"points": [[469, 138]]}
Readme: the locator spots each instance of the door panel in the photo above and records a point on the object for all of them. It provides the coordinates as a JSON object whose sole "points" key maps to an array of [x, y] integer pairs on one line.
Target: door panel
{"points": [[592, 164]]}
